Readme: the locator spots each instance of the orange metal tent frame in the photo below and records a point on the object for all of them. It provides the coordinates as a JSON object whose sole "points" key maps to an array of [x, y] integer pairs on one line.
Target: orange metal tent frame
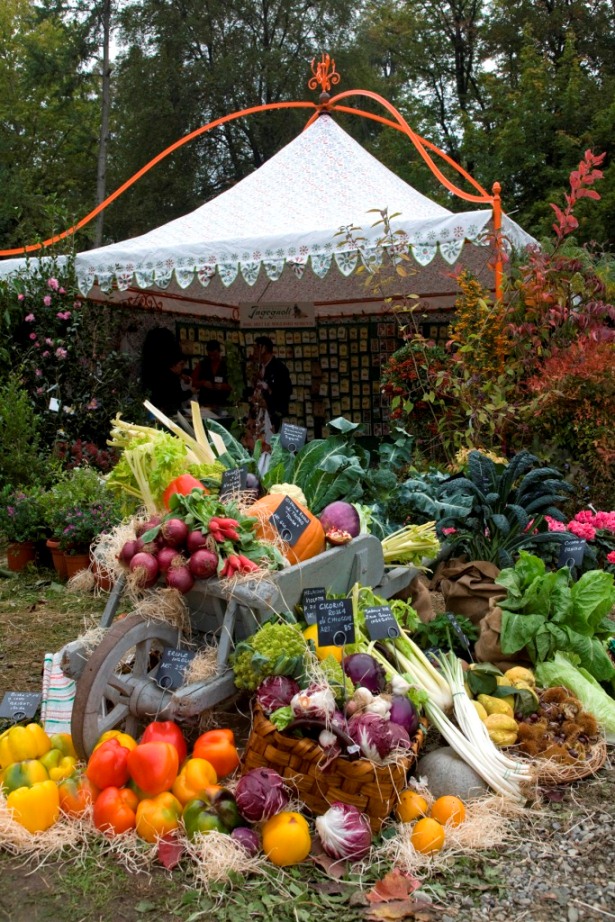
{"points": [[324, 76]]}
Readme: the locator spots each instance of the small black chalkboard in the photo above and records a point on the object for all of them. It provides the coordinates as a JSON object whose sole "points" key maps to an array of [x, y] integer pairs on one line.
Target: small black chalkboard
{"points": [[20, 705], [380, 623], [293, 438], [572, 552], [172, 668], [309, 600], [289, 521], [233, 481], [463, 640], [335, 622]]}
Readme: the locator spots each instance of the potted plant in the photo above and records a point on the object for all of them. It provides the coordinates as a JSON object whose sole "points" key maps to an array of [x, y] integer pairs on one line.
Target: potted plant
{"points": [[83, 522], [22, 524]]}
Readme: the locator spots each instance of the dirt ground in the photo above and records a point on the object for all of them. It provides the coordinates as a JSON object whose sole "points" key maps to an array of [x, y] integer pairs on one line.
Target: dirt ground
{"points": [[38, 616]]}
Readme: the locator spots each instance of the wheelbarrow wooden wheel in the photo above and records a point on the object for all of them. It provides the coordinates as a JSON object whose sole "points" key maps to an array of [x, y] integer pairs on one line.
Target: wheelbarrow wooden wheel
{"points": [[126, 658]]}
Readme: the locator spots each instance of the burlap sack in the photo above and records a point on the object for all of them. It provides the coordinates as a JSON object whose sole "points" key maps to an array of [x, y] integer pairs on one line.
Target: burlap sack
{"points": [[487, 648], [468, 586], [418, 594]]}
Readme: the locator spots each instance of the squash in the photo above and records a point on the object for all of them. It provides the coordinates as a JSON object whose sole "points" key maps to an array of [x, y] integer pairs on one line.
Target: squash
{"points": [[311, 542]]}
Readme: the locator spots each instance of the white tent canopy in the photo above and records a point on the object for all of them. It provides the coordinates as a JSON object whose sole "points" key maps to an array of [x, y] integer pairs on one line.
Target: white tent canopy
{"points": [[276, 235]]}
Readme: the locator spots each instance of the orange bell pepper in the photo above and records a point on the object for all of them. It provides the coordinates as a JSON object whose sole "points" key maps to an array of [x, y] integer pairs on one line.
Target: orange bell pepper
{"points": [[157, 816], [108, 765], [115, 810], [195, 776], [153, 767], [218, 748], [76, 795]]}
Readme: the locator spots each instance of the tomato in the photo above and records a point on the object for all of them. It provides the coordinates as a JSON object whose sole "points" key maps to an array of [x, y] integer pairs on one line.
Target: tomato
{"points": [[157, 816], [166, 731], [76, 795], [153, 767], [115, 810], [218, 748], [108, 765]]}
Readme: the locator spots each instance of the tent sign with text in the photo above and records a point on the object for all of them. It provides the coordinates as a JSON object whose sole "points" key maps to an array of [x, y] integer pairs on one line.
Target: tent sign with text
{"points": [[276, 314]]}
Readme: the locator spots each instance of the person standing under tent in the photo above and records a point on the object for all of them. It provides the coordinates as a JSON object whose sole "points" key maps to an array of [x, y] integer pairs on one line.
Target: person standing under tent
{"points": [[210, 379], [274, 385]]}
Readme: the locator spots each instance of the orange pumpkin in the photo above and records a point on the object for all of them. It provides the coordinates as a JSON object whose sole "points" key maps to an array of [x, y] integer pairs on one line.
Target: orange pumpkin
{"points": [[311, 542]]}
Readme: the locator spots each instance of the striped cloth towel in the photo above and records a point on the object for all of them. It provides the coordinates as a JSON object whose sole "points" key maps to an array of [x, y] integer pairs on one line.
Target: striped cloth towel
{"points": [[58, 696]]}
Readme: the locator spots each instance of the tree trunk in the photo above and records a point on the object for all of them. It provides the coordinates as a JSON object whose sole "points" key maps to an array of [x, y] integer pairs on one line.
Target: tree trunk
{"points": [[105, 109]]}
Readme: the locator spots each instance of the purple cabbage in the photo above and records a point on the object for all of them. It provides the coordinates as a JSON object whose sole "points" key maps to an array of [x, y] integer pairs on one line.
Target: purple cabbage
{"points": [[404, 713], [344, 832], [260, 794], [374, 736], [364, 671], [249, 838], [276, 691]]}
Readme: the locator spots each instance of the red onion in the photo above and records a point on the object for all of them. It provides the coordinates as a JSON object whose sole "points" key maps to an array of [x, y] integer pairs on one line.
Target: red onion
{"points": [[145, 569], [153, 522], [180, 578], [174, 532], [248, 838], [129, 550], [167, 557], [344, 832], [195, 540], [203, 563], [260, 794], [404, 713]]}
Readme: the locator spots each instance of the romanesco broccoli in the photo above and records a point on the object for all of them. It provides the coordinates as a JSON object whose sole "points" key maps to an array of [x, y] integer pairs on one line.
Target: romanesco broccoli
{"points": [[275, 649]]}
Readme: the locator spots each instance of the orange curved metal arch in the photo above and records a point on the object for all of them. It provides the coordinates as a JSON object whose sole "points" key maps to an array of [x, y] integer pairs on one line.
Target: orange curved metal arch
{"points": [[31, 248]]}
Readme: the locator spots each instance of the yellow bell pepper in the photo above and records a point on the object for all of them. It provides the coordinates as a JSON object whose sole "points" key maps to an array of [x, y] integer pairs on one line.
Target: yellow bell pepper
{"points": [[64, 742], [36, 808], [124, 739], [58, 765], [23, 775], [21, 743]]}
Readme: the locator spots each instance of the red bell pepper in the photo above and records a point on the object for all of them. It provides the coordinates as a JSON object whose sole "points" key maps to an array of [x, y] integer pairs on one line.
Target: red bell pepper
{"points": [[218, 748], [166, 731], [115, 810], [108, 765], [153, 766], [183, 484]]}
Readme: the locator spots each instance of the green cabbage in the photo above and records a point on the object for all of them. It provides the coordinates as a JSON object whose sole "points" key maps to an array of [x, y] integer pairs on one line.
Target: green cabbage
{"points": [[561, 670]]}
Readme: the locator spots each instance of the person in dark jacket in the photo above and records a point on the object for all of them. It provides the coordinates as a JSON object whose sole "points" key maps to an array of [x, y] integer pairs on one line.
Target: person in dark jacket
{"points": [[210, 378], [274, 382]]}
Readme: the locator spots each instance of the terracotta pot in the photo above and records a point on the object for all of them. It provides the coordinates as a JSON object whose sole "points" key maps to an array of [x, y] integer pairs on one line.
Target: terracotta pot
{"points": [[76, 562], [58, 557], [19, 554]]}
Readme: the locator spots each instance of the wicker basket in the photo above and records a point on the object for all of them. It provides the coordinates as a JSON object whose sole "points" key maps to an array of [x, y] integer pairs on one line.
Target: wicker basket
{"points": [[549, 772], [374, 789]]}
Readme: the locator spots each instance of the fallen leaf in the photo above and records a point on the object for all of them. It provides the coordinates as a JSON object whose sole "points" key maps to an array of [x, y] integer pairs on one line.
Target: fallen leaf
{"points": [[413, 908], [170, 851], [396, 885], [555, 795], [333, 867]]}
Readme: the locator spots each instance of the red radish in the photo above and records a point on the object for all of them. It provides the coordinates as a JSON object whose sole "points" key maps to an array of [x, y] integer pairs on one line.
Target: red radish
{"points": [[145, 569], [203, 564], [168, 557], [174, 532], [180, 578], [129, 550], [195, 540]]}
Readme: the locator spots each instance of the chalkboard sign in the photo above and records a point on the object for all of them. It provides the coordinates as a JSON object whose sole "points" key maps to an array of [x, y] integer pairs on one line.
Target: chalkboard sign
{"points": [[233, 481], [20, 705], [572, 552], [293, 438], [380, 623], [172, 668], [309, 601], [289, 521], [335, 622], [463, 640]]}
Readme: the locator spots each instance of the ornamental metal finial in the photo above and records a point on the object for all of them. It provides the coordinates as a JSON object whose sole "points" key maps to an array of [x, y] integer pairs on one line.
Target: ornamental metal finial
{"points": [[325, 74]]}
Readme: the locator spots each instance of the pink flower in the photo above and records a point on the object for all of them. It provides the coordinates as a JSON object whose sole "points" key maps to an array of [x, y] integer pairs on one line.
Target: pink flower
{"points": [[93, 404], [585, 515], [62, 291], [32, 335], [39, 391], [554, 525], [47, 300], [21, 297], [605, 520], [53, 284], [46, 353], [582, 530], [611, 557], [61, 353], [49, 342], [29, 318], [38, 373], [449, 531], [76, 305]]}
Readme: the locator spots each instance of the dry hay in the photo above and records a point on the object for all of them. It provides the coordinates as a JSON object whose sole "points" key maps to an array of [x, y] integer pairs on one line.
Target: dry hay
{"points": [[203, 666], [166, 605], [83, 581], [217, 855], [488, 824], [105, 549], [91, 638]]}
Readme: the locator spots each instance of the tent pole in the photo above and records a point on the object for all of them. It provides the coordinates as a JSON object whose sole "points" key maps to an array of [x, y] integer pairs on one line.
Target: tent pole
{"points": [[497, 230]]}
